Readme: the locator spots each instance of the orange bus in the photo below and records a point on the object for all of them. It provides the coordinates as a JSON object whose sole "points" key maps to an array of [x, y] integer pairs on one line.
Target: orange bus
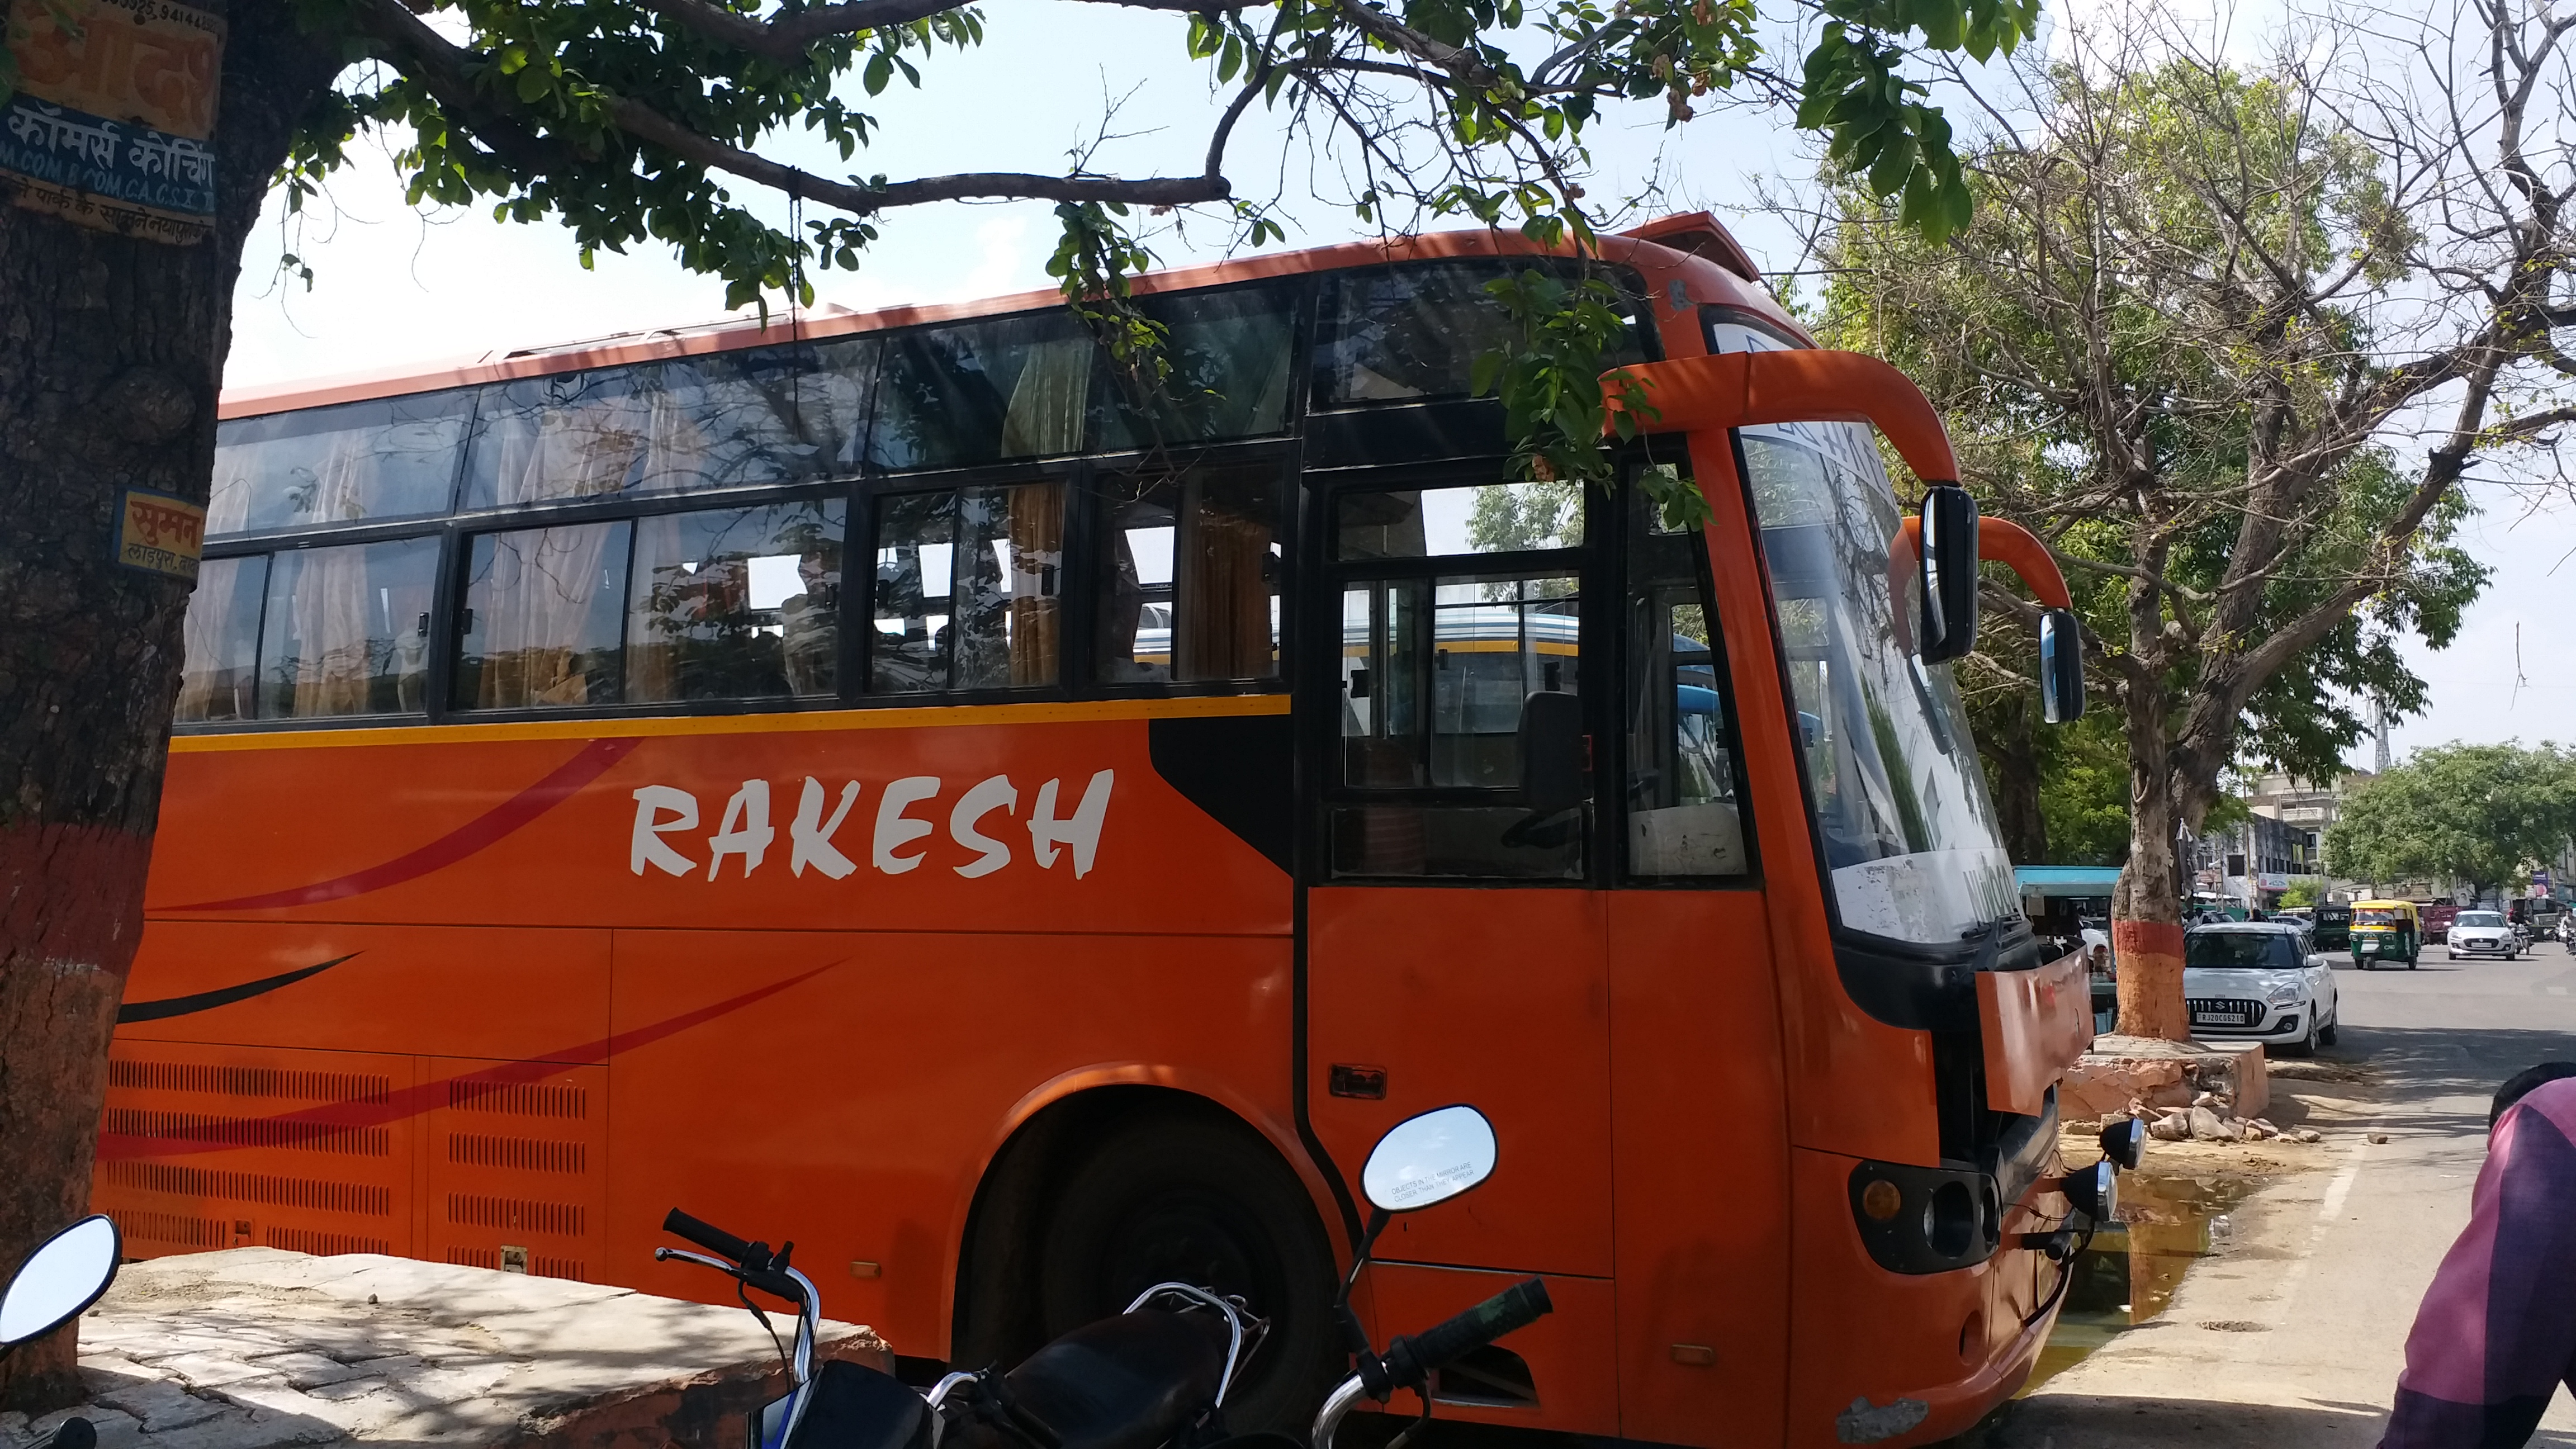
{"points": [[898, 784]]}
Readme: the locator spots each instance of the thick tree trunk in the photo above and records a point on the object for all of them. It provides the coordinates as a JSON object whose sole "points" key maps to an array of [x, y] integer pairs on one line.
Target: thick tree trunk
{"points": [[111, 354], [2146, 908]]}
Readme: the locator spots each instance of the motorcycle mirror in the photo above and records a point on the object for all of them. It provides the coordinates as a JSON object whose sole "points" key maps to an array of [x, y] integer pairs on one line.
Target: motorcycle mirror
{"points": [[1429, 1159], [60, 1280]]}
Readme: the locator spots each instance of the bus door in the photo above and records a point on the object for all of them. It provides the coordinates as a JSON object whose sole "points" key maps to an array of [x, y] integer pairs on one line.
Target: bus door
{"points": [[1461, 947]]}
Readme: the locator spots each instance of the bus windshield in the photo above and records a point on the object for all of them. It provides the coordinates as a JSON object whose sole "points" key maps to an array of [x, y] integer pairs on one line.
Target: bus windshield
{"points": [[1908, 833]]}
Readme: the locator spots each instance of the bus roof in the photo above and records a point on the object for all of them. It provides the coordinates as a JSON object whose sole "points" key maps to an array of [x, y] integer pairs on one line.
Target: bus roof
{"points": [[1690, 251]]}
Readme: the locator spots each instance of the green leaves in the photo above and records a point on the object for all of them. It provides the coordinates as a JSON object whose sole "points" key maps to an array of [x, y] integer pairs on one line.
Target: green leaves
{"points": [[1094, 262], [1549, 382], [2478, 813], [1878, 131]]}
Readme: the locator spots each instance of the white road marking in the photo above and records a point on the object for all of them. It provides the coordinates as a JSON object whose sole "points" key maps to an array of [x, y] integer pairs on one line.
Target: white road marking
{"points": [[2286, 1290]]}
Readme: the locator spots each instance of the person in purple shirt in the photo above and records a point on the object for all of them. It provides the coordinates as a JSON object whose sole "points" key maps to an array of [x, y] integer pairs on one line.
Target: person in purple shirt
{"points": [[2497, 1332]]}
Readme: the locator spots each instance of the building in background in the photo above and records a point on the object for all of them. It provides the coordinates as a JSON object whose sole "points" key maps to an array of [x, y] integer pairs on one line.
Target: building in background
{"points": [[2306, 808]]}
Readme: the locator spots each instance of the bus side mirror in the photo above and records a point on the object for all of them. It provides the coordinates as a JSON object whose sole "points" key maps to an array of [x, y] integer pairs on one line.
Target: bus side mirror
{"points": [[2061, 667], [1551, 752], [1949, 573]]}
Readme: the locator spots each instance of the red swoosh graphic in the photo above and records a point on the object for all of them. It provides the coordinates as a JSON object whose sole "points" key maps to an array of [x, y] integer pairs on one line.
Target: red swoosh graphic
{"points": [[289, 1129], [455, 845]]}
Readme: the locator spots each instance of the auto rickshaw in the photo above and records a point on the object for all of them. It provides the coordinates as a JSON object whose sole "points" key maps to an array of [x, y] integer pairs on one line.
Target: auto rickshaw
{"points": [[2386, 931]]}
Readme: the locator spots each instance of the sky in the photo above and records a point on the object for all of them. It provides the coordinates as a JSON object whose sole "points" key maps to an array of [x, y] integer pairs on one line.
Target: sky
{"points": [[393, 287]]}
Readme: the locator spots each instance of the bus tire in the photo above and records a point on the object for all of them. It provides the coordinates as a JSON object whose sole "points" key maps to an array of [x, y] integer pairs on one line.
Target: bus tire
{"points": [[1188, 1196]]}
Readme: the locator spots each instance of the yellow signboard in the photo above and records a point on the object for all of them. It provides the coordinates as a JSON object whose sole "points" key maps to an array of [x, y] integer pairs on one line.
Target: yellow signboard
{"points": [[163, 534], [113, 119]]}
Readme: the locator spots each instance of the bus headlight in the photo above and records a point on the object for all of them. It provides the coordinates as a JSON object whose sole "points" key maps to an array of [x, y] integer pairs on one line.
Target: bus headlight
{"points": [[1925, 1219], [2094, 1192]]}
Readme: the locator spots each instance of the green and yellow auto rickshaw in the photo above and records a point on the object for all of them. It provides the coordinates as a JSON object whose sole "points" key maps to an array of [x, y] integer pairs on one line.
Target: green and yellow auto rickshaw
{"points": [[2386, 931]]}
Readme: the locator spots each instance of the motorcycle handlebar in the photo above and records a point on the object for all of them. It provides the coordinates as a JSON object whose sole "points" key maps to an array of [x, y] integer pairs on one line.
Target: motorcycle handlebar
{"points": [[712, 1238], [1410, 1361]]}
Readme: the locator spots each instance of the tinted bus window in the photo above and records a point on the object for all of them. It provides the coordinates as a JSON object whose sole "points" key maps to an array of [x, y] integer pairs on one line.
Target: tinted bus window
{"points": [[1484, 518], [220, 678], [735, 603], [1189, 578], [311, 633], [542, 608], [968, 589], [726, 420], [359, 462], [1016, 387], [346, 630], [1413, 333], [1229, 360]]}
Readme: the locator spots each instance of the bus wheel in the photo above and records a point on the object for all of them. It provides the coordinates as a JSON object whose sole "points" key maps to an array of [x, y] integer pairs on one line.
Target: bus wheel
{"points": [[1180, 1197]]}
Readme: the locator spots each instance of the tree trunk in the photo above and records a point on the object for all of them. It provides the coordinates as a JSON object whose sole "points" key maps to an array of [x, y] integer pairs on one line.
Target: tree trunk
{"points": [[113, 356], [2146, 908]]}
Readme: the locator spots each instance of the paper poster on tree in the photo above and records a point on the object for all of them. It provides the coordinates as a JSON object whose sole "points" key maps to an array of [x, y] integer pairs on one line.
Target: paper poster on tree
{"points": [[107, 114]]}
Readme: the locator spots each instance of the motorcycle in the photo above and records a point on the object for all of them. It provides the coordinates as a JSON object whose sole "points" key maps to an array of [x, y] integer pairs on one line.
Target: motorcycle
{"points": [[1421, 1161], [59, 1281], [1156, 1375]]}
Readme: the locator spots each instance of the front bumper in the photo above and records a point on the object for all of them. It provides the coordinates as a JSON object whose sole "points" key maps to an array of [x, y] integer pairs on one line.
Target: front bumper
{"points": [[2483, 947], [2280, 1023]]}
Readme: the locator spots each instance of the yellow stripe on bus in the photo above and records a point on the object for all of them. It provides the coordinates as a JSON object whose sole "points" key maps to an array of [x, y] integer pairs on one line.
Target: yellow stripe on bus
{"points": [[1048, 712]]}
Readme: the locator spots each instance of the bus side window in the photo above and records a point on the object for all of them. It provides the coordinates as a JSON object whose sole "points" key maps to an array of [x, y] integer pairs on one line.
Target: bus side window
{"points": [[220, 678], [361, 462], [735, 603], [1412, 333], [1440, 651], [310, 633], [542, 610], [1684, 793], [1189, 577], [969, 591]]}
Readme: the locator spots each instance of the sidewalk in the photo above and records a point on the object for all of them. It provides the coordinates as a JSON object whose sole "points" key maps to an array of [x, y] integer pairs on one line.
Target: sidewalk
{"points": [[255, 1348], [2293, 1334]]}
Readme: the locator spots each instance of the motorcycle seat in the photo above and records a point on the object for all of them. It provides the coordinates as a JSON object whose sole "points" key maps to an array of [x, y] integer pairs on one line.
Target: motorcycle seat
{"points": [[1130, 1382]]}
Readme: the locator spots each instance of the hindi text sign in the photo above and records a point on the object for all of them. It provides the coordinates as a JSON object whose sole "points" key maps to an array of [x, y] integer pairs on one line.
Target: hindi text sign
{"points": [[113, 121], [163, 534]]}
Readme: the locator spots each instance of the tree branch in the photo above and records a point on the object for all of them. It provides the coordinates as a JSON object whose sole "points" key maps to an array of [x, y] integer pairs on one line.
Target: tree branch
{"points": [[786, 38], [445, 69]]}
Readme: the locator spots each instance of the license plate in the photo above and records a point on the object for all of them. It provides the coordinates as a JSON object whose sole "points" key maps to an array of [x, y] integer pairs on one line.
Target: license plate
{"points": [[2219, 1018]]}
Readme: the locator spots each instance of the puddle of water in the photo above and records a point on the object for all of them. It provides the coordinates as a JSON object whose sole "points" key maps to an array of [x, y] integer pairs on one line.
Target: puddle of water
{"points": [[2130, 1272]]}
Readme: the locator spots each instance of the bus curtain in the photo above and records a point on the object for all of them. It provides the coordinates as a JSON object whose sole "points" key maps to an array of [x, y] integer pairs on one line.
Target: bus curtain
{"points": [[540, 591], [1221, 626]]}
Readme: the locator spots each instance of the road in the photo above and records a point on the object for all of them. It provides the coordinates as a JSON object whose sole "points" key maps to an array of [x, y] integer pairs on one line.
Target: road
{"points": [[2292, 1334]]}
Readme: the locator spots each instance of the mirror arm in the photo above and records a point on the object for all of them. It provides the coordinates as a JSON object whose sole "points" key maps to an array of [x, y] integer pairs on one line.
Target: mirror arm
{"points": [[1354, 1333], [2010, 544]]}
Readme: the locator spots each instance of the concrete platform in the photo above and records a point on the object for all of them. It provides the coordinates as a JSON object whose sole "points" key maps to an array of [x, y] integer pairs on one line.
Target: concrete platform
{"points": [[255, 1348], [2121, 1073]]}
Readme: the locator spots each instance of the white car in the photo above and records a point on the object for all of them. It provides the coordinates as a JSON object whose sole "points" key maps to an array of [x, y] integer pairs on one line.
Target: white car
{"points": [[2255, 980], [2483, 933]]}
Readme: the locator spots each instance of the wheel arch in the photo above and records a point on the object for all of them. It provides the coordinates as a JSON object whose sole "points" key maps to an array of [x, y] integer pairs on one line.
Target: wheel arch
{"points": [[1000, 1202]]}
